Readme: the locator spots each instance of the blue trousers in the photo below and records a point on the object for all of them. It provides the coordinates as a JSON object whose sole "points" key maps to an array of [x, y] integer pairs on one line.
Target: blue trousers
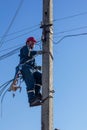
{"points": [[33, 80]]}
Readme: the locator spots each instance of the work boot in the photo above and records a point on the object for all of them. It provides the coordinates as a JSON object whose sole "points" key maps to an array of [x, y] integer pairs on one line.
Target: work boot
{"points": [[31, 95], [39, 96], [35, 102]]}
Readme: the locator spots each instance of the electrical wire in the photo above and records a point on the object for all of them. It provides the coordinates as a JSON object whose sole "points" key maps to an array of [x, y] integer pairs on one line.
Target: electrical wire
{"points": [[9, 53], [83, 13], [2, 101], [66, 36], [12, 21], [3, 91], [67, 17], [21, 35], [5, 86], [71, 16], [7, 49], [28, 28], [74, 29]]}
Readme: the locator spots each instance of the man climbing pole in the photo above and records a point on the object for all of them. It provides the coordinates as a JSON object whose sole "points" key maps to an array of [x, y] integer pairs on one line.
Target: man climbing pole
{"points": [[29, 71]]}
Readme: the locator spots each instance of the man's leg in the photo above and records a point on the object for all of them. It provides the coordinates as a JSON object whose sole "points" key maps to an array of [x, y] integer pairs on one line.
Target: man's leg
{"points": [[29, 81], [38, 83]]}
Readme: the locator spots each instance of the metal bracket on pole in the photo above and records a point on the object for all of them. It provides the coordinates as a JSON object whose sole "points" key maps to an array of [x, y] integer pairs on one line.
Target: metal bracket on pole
{"points": [[46, 30], [45, 25]]}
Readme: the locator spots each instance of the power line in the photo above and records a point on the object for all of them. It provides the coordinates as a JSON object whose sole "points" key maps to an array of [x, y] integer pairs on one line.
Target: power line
{"points": [[9, 53], [67, 17], [4, 50], [12, 21], [74, 29], [66, 36], [71, 16], [21, 35], [83, 13], [22, 30]]}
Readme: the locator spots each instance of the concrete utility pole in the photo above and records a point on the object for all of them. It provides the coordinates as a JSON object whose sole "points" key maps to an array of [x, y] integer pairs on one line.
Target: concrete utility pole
{"points": [[47, 66]]}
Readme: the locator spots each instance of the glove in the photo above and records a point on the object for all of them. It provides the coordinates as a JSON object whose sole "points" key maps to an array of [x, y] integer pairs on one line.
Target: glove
{"points": [[39, 52]]}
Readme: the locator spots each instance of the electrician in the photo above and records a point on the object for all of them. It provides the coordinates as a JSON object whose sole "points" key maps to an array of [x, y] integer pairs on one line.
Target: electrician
{"points": [[32, 78]]}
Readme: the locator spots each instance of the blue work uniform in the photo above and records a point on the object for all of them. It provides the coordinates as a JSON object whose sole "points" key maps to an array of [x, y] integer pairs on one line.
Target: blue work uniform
{"points": [[32, 78]]}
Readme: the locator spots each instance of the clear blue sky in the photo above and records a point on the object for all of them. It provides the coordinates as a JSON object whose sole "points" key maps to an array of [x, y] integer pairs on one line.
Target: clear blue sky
{"points": [[70, 63]]}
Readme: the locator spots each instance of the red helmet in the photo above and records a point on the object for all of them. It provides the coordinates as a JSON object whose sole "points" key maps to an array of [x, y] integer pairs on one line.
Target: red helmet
{"points": [[31, 39]]}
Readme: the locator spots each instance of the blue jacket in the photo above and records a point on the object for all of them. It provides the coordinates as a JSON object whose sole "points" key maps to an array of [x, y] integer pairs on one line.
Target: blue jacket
{"points": [[27, 55]]}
